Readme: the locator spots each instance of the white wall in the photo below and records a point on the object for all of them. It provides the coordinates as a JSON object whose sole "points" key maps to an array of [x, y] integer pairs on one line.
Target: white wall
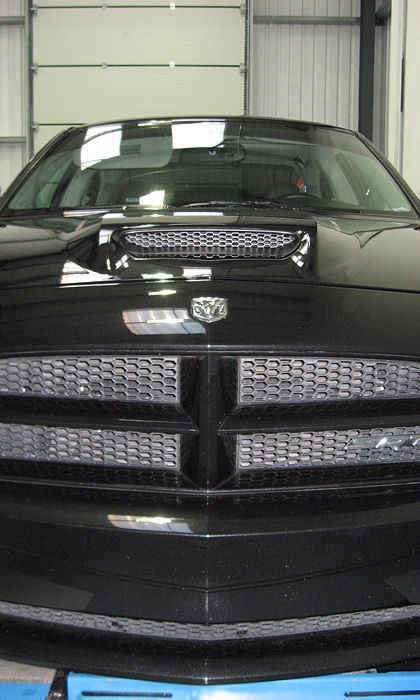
{"points": [[403, 91], [12, 93], [410, 155], [308, 72], [311, 71], [396, 42]]}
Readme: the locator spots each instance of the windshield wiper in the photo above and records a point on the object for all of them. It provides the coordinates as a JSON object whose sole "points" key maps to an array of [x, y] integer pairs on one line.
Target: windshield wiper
{"points": [[62, 211], [8, 213], [263, 203]]}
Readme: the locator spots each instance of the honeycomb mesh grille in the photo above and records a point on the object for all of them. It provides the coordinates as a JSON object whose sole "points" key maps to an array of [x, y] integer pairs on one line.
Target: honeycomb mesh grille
{"points": [[302, 482], [223, 631], [108, 378], [41, 443], [215, 243], [288, 380], [328, 448]]}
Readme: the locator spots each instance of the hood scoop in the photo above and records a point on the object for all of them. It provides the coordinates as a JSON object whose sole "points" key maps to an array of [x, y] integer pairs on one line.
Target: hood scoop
{"points": [[209, 243]]}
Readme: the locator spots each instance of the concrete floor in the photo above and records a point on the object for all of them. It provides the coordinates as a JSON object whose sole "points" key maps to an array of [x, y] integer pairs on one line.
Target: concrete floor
{"points": [[22, 673]]}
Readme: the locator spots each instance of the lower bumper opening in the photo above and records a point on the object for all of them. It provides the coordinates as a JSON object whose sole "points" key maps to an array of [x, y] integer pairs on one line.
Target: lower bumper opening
{"points": [[186, 652]]}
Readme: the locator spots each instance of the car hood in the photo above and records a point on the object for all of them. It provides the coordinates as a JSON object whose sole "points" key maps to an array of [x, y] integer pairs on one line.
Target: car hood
{"points": [[79, 247]]}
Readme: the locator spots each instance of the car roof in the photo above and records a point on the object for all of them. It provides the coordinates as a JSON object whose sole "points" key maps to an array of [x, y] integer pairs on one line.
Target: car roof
{"points": [[239, 118]]}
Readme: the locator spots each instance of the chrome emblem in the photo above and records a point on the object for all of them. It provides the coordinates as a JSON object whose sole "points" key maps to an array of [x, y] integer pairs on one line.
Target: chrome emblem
{"points": [[209, 309]]}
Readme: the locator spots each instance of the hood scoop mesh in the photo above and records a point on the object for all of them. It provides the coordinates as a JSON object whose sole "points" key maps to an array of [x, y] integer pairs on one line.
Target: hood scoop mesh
{"points": [[209, 243]]}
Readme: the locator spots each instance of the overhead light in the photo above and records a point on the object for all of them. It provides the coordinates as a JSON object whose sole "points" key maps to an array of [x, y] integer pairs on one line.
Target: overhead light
{"points": [[198, 134], [73, 273], [122, 262], [197, 213], [161, 322], [153, 199], [162, 293], [157, 276], [101, 143], [195, 273]]}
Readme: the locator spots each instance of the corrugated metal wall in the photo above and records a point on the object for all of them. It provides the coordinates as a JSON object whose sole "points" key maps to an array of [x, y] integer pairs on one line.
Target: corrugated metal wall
{"points": [[12, 93], [311, 71], [306, 71], [380, 105], [410, 150]]}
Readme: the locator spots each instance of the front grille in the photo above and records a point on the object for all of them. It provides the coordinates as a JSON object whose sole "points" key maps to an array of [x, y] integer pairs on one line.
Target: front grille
{"points": [[108, 378], [209, 243], [296, 380], [87, 446], [328, 448], [209, 422]]}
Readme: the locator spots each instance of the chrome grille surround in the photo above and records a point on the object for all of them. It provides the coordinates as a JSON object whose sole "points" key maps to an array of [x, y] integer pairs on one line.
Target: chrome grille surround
{"points": [[304, 379], [89, 446], [103, 377], [209, 243], [323, 448]]}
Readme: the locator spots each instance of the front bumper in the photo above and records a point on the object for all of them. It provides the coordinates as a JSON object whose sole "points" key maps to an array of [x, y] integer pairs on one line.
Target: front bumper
{"points": [[41, 636], [210, 593]]}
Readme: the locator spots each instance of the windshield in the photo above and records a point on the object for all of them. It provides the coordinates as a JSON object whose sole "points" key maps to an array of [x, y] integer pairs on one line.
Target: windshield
{"points": [[184, 163]]}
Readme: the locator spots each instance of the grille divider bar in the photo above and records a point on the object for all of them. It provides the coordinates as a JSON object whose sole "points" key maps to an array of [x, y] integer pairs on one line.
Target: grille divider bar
{"points": [[209, 421], [189, 492], [295, 422]]}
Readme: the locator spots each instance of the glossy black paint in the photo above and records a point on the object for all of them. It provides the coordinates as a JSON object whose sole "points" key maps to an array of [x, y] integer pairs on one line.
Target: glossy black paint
{"points": [[229, 563], [346, 250], [207, 552]]}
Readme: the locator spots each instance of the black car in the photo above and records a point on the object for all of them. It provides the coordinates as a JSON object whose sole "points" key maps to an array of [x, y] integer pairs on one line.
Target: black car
{"points": [[210, 403]]}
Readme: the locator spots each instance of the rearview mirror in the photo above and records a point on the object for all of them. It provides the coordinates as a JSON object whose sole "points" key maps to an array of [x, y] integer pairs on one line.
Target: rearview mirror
{"points": [[223, 154]]}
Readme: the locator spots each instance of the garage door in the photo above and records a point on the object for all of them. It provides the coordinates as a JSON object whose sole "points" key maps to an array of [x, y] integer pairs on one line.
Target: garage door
{"points": [[99, 61]]}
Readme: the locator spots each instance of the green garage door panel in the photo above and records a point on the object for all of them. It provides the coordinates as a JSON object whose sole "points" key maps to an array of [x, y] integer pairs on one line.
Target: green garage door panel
{"points": [[44, 133], [76, 95], [142, 35], [137, 3], [98, 61]]}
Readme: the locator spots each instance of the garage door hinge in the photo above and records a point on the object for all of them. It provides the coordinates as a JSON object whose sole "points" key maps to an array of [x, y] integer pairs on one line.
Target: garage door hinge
{"points": [[35, 126], [34, 9], [242, 8], [242, 68], [34, 67]]}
